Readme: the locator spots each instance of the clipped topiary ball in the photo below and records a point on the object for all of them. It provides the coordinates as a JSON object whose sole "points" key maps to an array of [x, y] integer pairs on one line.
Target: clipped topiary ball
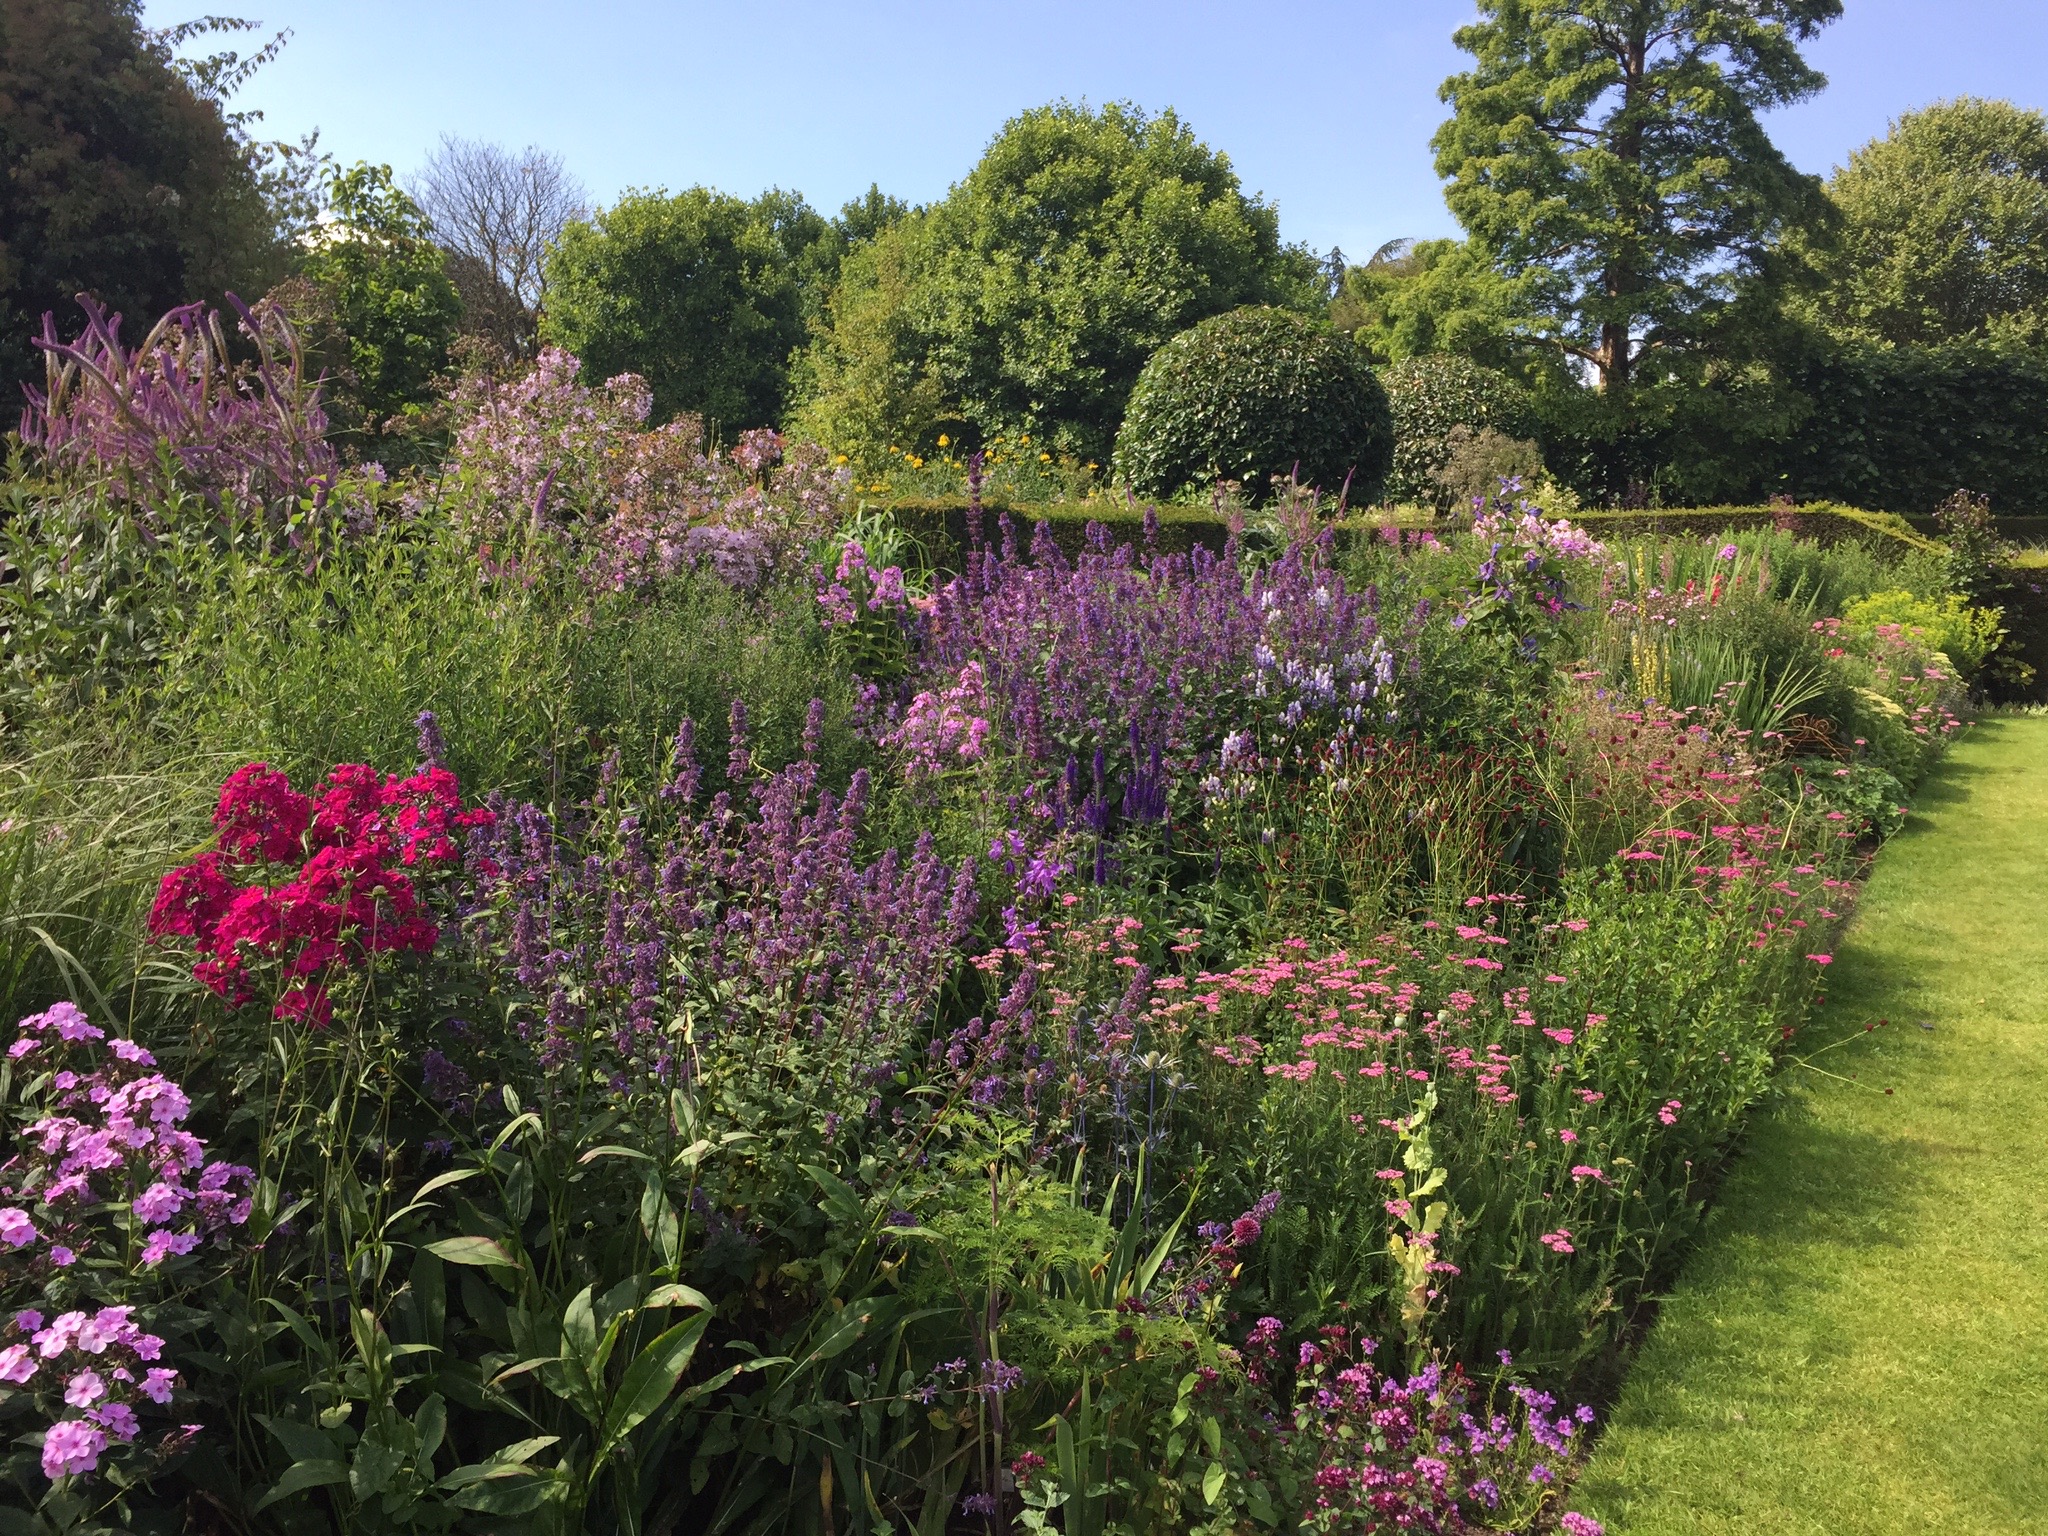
{"points": [[1253, 394], [1432, 397]]}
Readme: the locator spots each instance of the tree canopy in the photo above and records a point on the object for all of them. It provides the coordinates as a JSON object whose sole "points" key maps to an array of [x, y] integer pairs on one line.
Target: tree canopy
{"points": [[388, 289], [118, 176], [1032, 296], [1940, 231], [701, 293], [1606, 155]]}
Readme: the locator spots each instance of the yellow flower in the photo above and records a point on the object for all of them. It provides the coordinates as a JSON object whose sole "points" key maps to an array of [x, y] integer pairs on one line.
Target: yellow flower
{"points": [[841, 459], [1024, 438], [945, 441], [1045, 458]]}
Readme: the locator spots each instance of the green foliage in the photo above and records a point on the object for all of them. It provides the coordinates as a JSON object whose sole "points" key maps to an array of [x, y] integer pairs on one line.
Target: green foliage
{"points": [[1900, 429], [306, 669], [1432, 395], [84, 839], [80, 616], [1940, 231], [702, 294], [1611, 157], [1032, 295], [1255, 396], [120, 179], [387, 285], [644, 662], [1420, 297], [1965, 635]]}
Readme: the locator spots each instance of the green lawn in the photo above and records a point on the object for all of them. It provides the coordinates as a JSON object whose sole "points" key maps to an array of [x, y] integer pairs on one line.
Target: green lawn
{"points": [[1861, 1345]]}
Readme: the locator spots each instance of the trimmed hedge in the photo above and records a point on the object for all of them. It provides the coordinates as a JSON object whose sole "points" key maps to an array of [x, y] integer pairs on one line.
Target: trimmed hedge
{"points": [[1903, 429], [940, 527]]}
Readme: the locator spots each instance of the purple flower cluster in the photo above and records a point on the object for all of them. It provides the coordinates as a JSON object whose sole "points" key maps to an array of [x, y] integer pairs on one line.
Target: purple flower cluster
{"points": [[549, 452], [252, 436], [767, 914], [111, 1133], [1122, 651], [1422, 1452], [102, 1367]]}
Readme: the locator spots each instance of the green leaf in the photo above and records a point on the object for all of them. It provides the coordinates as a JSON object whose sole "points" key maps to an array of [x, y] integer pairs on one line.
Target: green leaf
{"points": [[658, 1219], [840, 1202], [431, 1425], [443, 1180], [650, 1379], [596, 1152], [301, 1442], [306, 1474], [677, 1296], [508, 1462], [376, 1463], [579, 1324], [484, 1251], [1212, 1483]]}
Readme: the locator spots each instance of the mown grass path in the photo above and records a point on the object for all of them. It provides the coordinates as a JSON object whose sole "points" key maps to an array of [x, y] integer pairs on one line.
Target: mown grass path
{"points": [[1861, 1345]]}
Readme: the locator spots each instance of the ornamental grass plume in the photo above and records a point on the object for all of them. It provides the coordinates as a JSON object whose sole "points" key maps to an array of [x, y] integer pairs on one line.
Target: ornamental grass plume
{"points": [[176, 413]]}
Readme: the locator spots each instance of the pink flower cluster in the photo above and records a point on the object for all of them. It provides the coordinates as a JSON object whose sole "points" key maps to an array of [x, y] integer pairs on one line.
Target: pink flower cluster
{"points": [[112, 1133], [944, 728], [102, 1364], [547, 453], [348, 898], [858, 589]]}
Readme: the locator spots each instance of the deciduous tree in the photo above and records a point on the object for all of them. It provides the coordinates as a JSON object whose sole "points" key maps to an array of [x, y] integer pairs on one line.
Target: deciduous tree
{"points": [[1941, 230]]}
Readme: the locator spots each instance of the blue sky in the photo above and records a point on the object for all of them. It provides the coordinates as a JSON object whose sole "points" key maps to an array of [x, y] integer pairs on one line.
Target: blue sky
{"points": [[1326, 108]]}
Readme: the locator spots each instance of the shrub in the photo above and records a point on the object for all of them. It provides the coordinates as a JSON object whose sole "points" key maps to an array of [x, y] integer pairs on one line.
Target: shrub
{"points": [[388, 285], [1965, 635], [1477, 464], [1029, 299], [695, 292], [1252, 396], [1432, 397]]}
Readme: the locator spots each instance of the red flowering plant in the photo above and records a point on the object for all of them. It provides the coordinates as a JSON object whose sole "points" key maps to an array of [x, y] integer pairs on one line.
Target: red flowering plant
{"points": [[352, 857]]}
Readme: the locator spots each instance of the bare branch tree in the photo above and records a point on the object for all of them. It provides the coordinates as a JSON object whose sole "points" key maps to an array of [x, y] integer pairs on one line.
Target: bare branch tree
{"points": [[496, 213]]}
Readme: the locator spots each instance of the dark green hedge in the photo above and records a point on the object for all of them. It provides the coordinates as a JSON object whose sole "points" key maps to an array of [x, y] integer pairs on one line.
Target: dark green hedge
{"points": [[941, 526], [1901, 430]]}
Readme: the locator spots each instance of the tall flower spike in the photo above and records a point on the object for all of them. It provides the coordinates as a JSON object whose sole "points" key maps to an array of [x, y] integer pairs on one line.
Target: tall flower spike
{"points": [[739, 761], [687, 775]]}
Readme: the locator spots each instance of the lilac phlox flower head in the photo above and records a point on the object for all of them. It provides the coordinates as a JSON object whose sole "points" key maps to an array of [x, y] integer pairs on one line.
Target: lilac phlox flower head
{"points": [[72, 1446]]}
